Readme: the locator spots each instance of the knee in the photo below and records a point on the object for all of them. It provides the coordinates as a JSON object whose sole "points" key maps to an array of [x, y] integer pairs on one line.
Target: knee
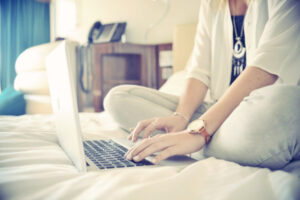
{"points": [[274, 102], [263, 130], [113, 101], [119, 103], [277, 97], [271, 108]]}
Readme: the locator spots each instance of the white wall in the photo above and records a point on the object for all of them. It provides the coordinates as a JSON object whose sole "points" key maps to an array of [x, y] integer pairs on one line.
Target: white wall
{"points": [[138, 14]]}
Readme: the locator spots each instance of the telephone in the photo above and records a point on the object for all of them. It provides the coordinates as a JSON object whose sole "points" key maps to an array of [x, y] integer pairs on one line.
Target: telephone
{"points": [[100, 33]]}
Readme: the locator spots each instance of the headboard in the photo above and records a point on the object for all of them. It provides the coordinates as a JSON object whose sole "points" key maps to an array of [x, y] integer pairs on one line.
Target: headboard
{"points": [[183, 43]]}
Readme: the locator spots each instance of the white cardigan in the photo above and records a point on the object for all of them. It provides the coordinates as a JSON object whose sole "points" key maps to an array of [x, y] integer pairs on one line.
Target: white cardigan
{"points": [[272, 34]]}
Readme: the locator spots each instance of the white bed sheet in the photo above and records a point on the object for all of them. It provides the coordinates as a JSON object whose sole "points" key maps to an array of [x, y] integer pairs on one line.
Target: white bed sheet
{"points": [[33, 166]]}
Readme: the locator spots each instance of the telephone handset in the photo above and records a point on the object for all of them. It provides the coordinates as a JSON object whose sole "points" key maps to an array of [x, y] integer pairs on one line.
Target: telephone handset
{"points": [[106, 32], [95, 31]]}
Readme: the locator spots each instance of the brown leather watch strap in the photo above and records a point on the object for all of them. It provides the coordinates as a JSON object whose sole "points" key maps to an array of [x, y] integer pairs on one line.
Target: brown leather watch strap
{"points": [[204, 133]]}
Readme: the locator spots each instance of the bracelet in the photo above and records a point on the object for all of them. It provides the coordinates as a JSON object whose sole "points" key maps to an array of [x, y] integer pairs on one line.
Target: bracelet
{"points": [[181, 115]]}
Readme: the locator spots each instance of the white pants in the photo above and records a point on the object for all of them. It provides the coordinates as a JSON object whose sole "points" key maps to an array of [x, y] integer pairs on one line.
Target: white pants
{"points": [[263, 131]]}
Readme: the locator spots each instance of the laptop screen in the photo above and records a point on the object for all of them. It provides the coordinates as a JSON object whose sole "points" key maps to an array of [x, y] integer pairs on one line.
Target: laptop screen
{"points": [[61, 68]]}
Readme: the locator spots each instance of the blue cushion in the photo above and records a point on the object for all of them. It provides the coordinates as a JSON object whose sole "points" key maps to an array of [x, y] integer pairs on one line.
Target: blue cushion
{"points": [[12, 102]]}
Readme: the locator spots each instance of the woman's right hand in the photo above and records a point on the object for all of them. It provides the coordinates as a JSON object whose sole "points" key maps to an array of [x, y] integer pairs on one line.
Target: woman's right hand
{"points": [[173, 123]]}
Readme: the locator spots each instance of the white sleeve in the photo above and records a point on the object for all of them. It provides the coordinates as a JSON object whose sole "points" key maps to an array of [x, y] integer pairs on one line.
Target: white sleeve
{"points": [[278, 50], [200, 64]]}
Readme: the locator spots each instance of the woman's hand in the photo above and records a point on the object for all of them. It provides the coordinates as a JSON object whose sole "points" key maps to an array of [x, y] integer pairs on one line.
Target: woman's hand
{"points": [[167, 145], [168, 124]]}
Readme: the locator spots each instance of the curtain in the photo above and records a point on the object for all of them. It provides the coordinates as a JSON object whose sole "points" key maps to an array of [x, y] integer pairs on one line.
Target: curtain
{"points": [[24, 23]]}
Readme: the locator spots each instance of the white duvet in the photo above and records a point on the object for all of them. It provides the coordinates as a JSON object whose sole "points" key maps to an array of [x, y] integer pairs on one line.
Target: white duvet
{"points": [[33, 166]]}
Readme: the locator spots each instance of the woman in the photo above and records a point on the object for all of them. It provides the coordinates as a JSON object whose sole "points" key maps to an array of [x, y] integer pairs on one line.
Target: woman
{"points": [[254, 121]]}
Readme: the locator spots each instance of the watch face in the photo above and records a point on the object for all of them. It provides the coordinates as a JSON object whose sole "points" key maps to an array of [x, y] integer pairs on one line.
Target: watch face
{"points": [[196, 125]]}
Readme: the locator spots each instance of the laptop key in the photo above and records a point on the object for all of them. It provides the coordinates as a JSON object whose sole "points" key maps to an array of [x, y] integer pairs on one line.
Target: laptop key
{"points": [[120, 166]]}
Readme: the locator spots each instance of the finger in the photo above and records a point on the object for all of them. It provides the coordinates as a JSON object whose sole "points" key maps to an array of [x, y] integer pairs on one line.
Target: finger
{"points": [[148, 130], [149, 141], [128, 154], [166, 153], [152, 148], [140, 126], [139, 147], [129, 137]]}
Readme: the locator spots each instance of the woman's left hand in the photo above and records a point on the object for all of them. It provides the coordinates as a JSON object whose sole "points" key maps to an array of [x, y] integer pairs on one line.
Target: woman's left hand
{"points": [[167, 145]]}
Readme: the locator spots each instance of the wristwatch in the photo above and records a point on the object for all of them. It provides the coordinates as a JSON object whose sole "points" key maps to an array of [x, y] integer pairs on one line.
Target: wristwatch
{"points": [[198, 127]]}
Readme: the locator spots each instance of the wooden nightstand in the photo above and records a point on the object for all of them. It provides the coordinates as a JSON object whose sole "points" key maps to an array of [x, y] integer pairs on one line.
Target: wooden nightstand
{"points": [[122, 63]]}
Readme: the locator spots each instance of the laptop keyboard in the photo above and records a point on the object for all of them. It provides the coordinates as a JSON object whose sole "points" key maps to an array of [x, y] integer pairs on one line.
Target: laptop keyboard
{"points": [[107, 154]]}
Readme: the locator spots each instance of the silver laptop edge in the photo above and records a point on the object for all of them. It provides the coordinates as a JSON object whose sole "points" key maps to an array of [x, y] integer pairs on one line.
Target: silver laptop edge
{"points": [[64, 103], [61, 77]]}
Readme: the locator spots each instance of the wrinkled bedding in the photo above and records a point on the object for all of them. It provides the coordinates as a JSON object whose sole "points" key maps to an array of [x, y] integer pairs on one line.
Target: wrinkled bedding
{"points": [[33, 166]]}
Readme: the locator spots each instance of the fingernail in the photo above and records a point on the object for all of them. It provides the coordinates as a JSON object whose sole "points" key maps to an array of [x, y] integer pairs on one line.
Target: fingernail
{"points": [[136, 158], [154, 160], [128, 157]]}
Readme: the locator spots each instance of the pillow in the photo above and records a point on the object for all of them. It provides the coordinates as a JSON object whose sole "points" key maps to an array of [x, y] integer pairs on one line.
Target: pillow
{"points": [[175, 85], [12, 102], [32, 83], [38, 104], [33, 58]]}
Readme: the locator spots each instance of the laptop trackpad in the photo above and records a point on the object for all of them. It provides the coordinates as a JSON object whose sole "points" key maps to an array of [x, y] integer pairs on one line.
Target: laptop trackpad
{"points": [[180, 160]]}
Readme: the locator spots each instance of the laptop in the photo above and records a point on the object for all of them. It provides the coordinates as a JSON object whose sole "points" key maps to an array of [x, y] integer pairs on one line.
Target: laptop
{"points": [[86, 155]]}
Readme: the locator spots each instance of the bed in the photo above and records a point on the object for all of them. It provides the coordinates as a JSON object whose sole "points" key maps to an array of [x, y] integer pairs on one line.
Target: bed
{"points": [[33, 166]]}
